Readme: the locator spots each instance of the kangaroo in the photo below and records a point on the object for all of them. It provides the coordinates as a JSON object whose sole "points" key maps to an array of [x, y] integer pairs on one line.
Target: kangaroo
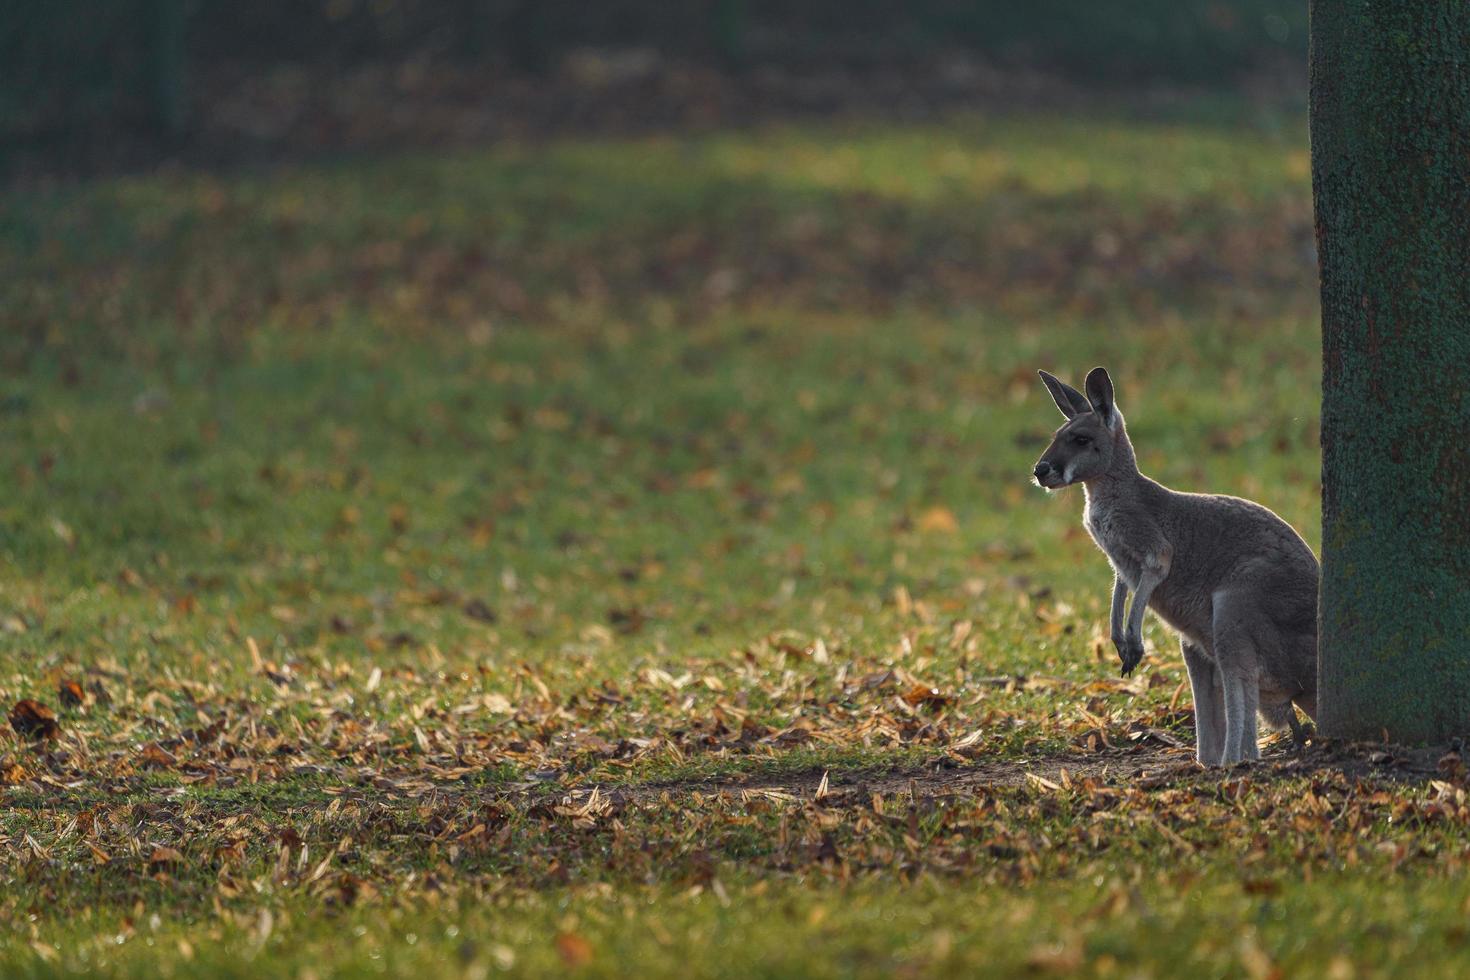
{"points": [[1235, 581]]}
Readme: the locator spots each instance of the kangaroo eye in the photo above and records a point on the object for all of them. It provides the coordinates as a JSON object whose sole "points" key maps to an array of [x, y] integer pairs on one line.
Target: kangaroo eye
{"points": [[1081, 440]]}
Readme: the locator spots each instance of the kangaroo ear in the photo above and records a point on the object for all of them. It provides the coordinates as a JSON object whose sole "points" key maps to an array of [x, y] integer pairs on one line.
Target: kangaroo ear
{"points": [[1100, 395], [1068, 399]]}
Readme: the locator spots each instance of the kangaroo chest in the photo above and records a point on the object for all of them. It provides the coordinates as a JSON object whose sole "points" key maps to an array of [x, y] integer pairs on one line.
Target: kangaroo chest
{"points": [[1125, 538], [1111, 531]]}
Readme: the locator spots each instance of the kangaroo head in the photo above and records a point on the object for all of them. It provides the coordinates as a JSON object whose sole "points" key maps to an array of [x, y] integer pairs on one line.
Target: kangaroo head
{"points": [[1086, 445]]}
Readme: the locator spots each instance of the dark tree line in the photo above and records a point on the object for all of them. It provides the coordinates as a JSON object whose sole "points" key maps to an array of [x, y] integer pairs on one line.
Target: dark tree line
{"points": [[70, 62]]}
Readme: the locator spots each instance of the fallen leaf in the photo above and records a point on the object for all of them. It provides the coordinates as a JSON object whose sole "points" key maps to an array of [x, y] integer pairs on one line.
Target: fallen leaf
{"points": [[938, 520], [33, 720], [922, 695], [626, 621], [479, 610], [70, 694], [575, 951], [157, 756]]}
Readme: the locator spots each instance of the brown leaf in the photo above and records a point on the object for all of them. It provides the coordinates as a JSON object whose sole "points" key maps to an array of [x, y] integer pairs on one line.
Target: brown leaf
{"points": [[230, 851], [922, 695], [165, 855], [626, 621], [1093, 740], [350, 887], [791, 650], [938, 520], [398, 518], [70, 694], [478, 609], [575, 951], [876, 680], [157, 756], [33, 720]]}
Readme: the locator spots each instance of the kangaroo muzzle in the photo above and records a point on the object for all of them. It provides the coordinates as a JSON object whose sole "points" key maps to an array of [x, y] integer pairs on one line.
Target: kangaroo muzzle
{"points": [[1047, 476]]}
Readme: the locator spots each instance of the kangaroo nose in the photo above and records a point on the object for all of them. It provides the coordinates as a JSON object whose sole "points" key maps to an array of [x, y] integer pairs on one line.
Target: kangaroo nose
{"points": [[1042, 469]]}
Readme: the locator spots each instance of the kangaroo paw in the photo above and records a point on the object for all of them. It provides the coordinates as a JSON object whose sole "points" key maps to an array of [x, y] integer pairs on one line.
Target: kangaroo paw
{"points": [[1130, 654]]}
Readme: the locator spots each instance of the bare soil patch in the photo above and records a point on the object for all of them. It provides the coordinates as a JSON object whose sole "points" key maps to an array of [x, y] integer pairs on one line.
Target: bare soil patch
{"points": [[1147, 766]]}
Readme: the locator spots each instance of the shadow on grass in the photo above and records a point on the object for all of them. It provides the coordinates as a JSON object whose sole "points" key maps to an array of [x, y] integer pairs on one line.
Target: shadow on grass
{"points": [[1028, 216]]}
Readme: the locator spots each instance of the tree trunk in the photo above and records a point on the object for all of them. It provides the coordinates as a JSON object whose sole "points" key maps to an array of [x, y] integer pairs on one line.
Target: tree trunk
{"points": [[1390, 118]]}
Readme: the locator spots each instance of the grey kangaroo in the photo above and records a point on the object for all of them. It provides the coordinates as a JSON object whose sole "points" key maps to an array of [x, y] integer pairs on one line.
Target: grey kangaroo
{"points": [[1235, 581]]}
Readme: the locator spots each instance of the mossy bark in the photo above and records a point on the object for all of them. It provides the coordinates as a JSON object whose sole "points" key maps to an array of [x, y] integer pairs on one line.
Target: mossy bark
{"points": [[1390, 120]]}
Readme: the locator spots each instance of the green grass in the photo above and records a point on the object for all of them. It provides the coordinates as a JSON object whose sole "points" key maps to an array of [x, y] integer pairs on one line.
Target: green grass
{"points": [[379, 505]]}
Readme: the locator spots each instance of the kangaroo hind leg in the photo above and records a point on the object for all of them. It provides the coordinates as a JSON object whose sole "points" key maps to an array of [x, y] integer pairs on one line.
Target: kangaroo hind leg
{"points": [[1237, 660], [1209, 704]]}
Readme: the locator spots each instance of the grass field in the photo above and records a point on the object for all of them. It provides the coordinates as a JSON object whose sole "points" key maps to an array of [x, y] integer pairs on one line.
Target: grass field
{"points": [[596, 553]]}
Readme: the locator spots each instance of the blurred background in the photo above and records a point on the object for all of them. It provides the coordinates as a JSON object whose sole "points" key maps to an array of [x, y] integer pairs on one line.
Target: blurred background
{"points": [[97, 84]]}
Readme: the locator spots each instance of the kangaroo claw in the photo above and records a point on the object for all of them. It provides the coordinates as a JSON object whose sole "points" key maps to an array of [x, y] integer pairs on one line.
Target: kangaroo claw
{"points": [[1130, 655]]}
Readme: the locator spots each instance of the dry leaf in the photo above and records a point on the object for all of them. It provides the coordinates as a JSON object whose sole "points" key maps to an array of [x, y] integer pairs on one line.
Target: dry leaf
{"points": [[574, 950], [157, 756], [479, 610], [938, 520], [922, 695], [33, 720], [70, 694]]}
